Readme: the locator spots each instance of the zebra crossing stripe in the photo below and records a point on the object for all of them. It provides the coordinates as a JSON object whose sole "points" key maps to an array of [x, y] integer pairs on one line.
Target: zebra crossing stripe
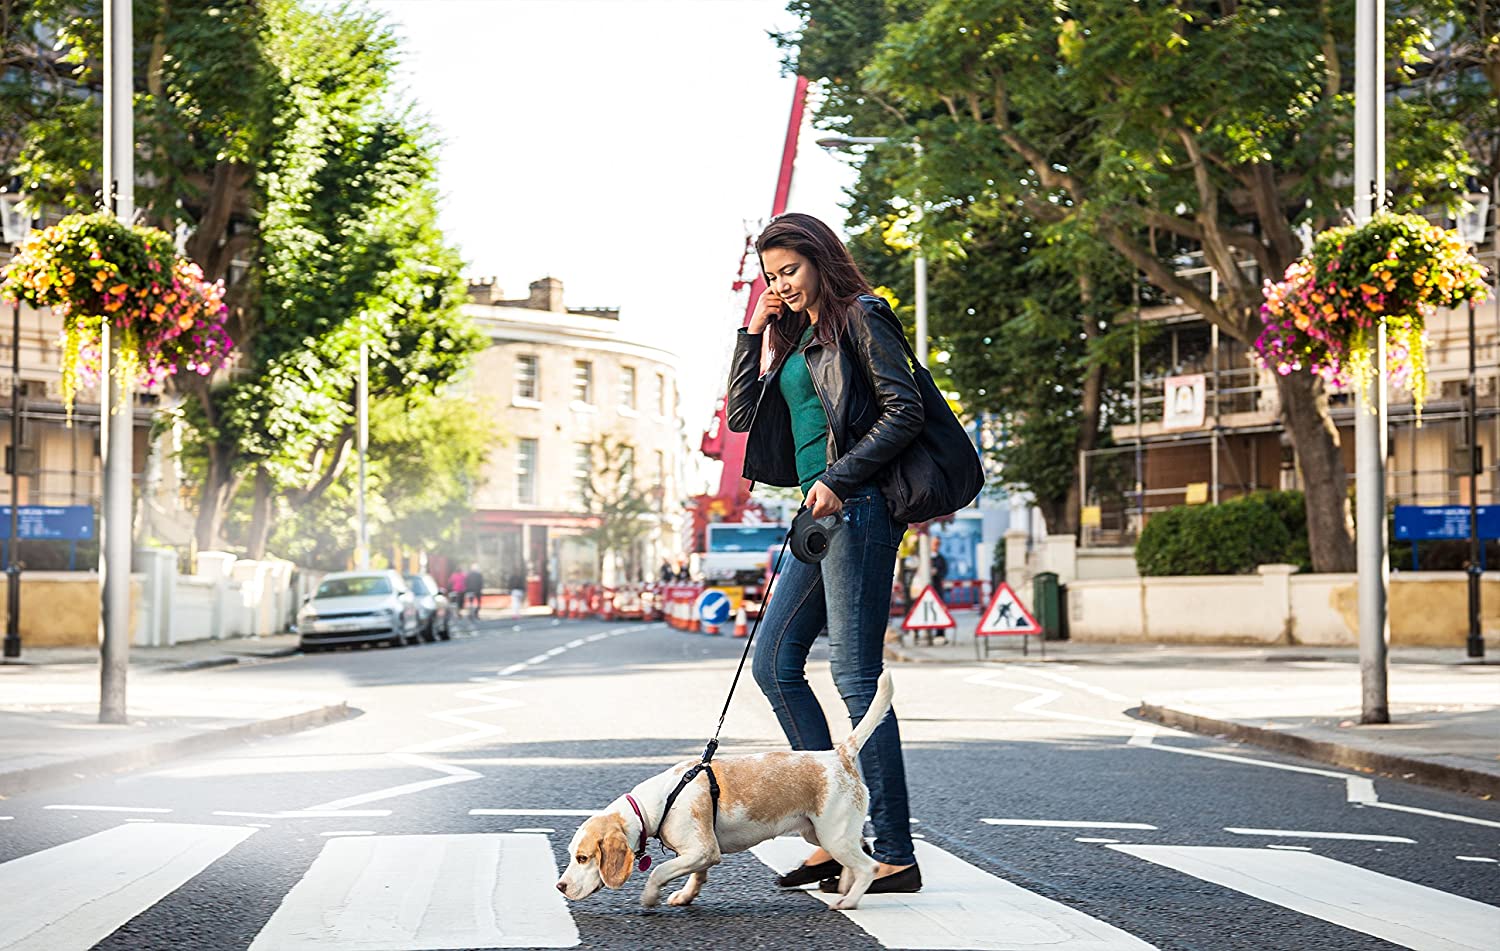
{"points": [[402, 893], [1394, 910], [74, 895], [962, 906]]}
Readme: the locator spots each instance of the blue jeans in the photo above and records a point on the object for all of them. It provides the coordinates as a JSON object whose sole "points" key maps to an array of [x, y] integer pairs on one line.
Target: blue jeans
{"points": [[850, 592]]}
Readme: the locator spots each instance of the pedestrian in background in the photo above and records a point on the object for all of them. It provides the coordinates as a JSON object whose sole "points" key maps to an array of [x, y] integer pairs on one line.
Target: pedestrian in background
{"points": [[836, 404], [473, 589], [456, 589]]}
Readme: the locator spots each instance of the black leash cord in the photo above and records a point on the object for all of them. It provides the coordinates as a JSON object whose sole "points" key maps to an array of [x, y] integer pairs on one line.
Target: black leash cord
{"points": [[713, 744]]}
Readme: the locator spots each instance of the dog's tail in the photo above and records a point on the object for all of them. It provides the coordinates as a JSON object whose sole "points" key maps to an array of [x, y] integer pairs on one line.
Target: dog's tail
{"points": [[879, 707]]}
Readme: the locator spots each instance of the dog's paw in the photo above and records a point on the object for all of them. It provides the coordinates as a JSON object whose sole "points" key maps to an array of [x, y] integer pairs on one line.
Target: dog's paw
{"points": [[681, 897], [650, 898], [845, 904]]}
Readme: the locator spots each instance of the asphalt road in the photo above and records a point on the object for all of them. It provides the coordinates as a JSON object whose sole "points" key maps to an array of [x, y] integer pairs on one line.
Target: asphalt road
{"points": [[440, 816]]}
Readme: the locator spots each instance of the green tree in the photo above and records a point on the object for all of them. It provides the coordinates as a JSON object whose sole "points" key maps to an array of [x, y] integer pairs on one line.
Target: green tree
{"points": [[612, 495], [1154, 128], [269, 134], [426, 458]]}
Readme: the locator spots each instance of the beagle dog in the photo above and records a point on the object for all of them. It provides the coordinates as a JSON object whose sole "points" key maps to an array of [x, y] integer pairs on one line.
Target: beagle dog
{"points": [[816, 794]]}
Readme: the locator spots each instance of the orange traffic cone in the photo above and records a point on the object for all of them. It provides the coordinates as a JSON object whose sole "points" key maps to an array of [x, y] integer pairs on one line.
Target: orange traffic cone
{"points": [[740, 628]]}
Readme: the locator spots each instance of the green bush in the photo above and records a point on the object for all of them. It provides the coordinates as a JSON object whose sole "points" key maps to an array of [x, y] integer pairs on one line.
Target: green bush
{"points": [[1232, 538]]}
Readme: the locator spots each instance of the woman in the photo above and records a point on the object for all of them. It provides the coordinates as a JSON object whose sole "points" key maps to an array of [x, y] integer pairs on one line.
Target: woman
{"points": [[838, 402]]}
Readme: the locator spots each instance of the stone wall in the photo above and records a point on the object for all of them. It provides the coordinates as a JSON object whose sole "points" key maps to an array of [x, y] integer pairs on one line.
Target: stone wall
{"points": [[1276, 606]]}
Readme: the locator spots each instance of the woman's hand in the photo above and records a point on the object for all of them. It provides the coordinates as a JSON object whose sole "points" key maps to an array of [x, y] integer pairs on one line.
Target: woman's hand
{"points": [[822, 501], [767, 309]]}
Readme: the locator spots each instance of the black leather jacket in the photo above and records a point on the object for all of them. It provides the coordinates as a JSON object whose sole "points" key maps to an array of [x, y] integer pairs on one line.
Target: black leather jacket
{"points": [[868, 391]]}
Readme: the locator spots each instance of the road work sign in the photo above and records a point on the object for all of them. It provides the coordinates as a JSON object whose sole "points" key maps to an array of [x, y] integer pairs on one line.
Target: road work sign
{"points": [[1006, 615], [713, 607], [929, 613]]}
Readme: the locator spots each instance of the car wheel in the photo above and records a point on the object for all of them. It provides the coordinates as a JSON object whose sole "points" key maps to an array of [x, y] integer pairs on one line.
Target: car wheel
{"points": [[429, 632], [447, 633], [396, 639]]}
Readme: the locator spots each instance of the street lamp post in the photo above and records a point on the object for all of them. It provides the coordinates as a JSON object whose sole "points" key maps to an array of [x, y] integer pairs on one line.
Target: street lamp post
{"points": [[1471, 229], [115, 413], [362, 444], [15, 226], [1370, 431], [919, 279]]}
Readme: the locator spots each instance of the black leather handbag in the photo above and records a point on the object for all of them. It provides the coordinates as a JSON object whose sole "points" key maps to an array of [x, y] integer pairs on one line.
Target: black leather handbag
{"points": [[939, 472]]}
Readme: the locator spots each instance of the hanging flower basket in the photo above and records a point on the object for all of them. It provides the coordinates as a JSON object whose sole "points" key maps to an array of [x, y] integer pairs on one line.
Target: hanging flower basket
{"points": [[1395, 270], [94, 270]]}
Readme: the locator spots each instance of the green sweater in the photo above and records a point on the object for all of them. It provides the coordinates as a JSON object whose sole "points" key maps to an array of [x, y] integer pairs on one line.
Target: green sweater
{"points": [[809, 420]]}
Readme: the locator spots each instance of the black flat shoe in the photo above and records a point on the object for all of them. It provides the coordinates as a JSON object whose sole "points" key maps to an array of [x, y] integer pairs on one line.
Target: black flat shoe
{"points": [[907, 880], [807, 874]]}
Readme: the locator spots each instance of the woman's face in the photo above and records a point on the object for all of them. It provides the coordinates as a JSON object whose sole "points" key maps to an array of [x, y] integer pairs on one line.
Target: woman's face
{"points": [[793, 278]]}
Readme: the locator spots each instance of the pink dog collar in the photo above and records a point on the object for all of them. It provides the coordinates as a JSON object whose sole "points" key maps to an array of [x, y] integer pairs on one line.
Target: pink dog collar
{"points": [[644, 860]]}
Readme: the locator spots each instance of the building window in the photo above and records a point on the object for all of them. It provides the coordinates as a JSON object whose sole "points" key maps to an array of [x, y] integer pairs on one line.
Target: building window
{"points": [[583, 381], [526, 380], [526, 471], [627, 387], [661, 394], [583, 464]]}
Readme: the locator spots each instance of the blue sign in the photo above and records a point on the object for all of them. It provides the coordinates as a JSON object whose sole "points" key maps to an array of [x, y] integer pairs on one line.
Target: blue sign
{"points": [[1420, 523], [66, 522], [713, 607]]}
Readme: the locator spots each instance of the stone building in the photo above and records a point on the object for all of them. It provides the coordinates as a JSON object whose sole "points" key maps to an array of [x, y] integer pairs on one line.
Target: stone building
{"points": [[560, 380]]}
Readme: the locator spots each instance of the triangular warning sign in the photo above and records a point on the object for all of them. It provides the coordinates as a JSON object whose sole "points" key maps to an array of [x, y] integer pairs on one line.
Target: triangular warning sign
{"points": [[928, 613], [1006, 615]]}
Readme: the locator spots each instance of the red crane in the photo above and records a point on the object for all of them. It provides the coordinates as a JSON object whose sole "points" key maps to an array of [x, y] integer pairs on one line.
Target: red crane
{"points": [[729, 503]]}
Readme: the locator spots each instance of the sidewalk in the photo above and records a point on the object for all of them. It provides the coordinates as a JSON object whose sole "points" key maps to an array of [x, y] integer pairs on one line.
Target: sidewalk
{"points": [[49, 709], [1305, 701]]}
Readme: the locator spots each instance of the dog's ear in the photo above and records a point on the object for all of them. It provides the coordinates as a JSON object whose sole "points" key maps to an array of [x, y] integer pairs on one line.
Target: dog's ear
{"points": [[615, 857]]}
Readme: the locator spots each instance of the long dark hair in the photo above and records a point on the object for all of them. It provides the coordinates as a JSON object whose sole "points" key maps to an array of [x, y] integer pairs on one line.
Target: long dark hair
{"points": [[839, 281]]}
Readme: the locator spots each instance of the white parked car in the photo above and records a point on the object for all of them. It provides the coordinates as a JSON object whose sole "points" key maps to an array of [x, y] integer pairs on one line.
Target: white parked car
{"points": [[359, 607]]}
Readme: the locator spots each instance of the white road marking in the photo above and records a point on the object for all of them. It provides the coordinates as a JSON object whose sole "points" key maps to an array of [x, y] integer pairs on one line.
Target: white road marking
{"points": [[557, 650], [411, 892], [330, 835], [1087, 838], [1066, 824], [1357, 789], [72, 896], [489, 700], [137, 819], [542, 830], [512, 669], [538, 659], [1475, 858], [1360, 789], [1436, 815], [575, 642], [1043, 697], [70, 808], [1144, 734], [533, 812], [596, 637], [1292, 848], [1394, 910], [455, 774], [1290, 834], [310, 814], [1076, 684], [6, 818], [961, 906]]}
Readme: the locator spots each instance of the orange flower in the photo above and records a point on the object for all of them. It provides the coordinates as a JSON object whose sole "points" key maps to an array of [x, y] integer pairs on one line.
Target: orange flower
{"points": [[119, 288]]}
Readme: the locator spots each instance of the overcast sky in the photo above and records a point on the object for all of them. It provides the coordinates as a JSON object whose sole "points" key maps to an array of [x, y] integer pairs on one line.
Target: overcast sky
{"points": [[624, 146]]}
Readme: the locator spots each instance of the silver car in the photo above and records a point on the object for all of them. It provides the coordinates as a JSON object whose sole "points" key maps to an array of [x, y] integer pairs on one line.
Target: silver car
{"points": [[434, 613], [359, 607]]}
